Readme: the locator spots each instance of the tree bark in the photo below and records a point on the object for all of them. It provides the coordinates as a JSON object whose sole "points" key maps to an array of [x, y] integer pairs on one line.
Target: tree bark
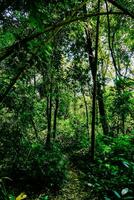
{"points": [[86, 108], [55, 116], [34, 127], [102, 111], [49, 117], [93, 61], [122, 8]]}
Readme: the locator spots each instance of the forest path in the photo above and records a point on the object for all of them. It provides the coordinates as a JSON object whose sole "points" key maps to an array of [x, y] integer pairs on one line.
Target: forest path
{"points": [[72, 189]]}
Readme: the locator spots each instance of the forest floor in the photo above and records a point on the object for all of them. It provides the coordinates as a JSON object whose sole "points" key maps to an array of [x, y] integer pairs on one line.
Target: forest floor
{"points": [[72, 189], [73, 186]]}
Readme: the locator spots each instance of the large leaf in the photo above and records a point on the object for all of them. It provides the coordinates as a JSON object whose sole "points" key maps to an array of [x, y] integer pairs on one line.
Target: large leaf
{"points": [[21, 196], [124, 191]]}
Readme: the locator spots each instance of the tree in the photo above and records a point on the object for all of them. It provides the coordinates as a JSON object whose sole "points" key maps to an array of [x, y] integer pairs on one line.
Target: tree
{"points": [[49, 35]]}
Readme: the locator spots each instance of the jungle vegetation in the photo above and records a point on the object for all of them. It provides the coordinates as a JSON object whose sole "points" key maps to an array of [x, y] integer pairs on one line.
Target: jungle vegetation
{"points": [[66, 99]]}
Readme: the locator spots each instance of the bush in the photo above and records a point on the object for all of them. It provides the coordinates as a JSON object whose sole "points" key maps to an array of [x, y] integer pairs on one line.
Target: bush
{"points": [[40, 168], [112, 174], [123, 146]]}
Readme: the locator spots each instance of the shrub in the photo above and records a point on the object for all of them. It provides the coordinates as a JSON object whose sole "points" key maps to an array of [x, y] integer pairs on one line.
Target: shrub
{"points": [[40, 168], [112, 174]]}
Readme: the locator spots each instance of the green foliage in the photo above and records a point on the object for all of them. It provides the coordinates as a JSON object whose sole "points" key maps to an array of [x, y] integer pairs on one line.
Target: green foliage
{"points": [[4, 195], [10, 133], [111, 176], [8, 37], [80, 132], [39, 166], [47, 85], [3, 191], [43, 197], [121, 146]]}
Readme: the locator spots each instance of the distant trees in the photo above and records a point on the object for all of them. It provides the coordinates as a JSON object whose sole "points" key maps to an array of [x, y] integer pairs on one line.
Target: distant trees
{"points": [[45, 52]]}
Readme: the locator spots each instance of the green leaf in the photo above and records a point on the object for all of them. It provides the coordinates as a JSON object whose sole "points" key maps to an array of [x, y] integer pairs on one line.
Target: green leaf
{"points": [[126, 164], [117, 194], [11, 197], [44, 197], [107, 198]]}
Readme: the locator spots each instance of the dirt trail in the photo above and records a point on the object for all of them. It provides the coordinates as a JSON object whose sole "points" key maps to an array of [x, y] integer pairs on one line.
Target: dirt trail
{"points": [[72, 189]]}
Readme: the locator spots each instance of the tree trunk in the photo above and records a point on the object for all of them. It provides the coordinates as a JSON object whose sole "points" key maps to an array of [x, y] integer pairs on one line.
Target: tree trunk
{"points": [[48, 122], [55, 116], [103, 118], [86, 108], [49, 117], [93, 61], [93, 120], [34, 127]]}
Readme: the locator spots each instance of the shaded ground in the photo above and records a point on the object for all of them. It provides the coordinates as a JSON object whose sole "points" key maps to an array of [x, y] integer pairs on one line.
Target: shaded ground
{"points": [[72, 189], [100, 180]]}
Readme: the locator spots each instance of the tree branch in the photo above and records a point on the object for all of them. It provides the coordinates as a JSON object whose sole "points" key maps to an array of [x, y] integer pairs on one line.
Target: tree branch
{"points": [[21, 43], [109, 40], [120, 7], [22, 69], [13, 81]]}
